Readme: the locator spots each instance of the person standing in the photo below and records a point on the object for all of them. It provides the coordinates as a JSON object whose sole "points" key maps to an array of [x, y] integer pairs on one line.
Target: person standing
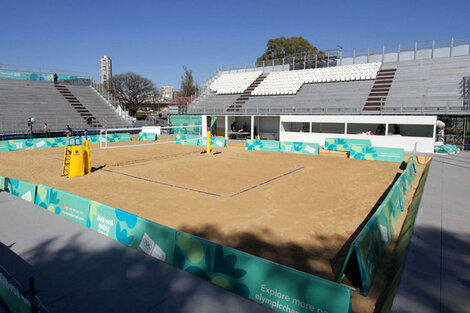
{"points": [[46, 130], [68, 131], [30, 127], [55, 78]]}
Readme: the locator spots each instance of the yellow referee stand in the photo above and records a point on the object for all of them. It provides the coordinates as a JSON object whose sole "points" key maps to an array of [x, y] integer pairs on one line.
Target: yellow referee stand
{"points": [[77, 159]]}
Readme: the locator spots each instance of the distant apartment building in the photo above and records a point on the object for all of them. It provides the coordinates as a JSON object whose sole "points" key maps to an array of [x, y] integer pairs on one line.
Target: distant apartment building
{"points": [[106, 71], [167, 93]]}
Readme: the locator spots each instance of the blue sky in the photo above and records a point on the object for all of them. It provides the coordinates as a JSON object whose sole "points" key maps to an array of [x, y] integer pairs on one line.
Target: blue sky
{"points": [[155, 39]]}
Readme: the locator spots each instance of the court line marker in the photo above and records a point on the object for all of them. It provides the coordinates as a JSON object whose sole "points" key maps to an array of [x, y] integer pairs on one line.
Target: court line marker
{"points": [[165, 184], [270, 180]]}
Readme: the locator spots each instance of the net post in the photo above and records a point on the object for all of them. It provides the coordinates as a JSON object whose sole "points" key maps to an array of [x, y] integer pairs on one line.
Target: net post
{"points": [[208, 150]]}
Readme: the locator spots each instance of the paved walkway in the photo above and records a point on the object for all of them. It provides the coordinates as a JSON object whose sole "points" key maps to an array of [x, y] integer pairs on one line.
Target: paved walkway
{"points": [[436, 275], [78, 270]]}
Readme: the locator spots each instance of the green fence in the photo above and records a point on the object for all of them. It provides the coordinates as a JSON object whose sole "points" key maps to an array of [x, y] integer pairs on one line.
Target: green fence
{"points": [[369, 246], [276, 286]]}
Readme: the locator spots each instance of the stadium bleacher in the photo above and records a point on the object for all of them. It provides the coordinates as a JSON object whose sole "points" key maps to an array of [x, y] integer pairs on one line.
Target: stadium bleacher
{"points": [[429, 86], [233, 83], [21, 99]]}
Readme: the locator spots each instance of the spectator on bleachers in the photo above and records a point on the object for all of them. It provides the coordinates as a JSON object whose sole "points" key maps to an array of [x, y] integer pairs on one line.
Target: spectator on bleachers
{"points": [[46, 130], [55, 78], [30, 126], [68, 131]]}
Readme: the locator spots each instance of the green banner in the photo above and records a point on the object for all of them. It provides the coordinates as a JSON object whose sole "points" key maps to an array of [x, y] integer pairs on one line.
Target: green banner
{"points": [[273, 285], [446, 149], [151, 238], [64, 203], [186, 120], [299, 147], [118, 137], [11, 296], [216, 142], [147, 136], [187, 140], [278, 287], [377, 153], [21, 189], [344, 144], [263, 145], [35, 76], [369, 246]]}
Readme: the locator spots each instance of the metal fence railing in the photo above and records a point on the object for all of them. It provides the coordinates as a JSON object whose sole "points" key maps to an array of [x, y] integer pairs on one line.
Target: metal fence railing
{"points": [[396, 105], [41, 70], [427, 49]]}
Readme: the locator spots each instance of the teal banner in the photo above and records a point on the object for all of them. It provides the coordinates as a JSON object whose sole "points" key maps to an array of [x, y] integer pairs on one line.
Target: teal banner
{"points": [[147, 136], [21, 189], [275, 286], [151, 238], [35, 143], [300, 147], [446, 149], [369, 246], [186, 120], [278, 287], [187, 140], [344, 144], [118, 137], [64, 203], [35, 76], [40, 143], [216, 142], [377, 153], [263, 145]]}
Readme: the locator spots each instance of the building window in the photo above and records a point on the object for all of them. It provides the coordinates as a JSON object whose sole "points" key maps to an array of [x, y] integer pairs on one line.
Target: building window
{"points": [[366, 129], [330, 128], [411, 130], [296, 127]]}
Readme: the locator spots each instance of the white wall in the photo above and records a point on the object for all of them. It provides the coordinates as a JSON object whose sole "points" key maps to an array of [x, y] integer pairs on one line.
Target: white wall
{"points": [[425, 144]]}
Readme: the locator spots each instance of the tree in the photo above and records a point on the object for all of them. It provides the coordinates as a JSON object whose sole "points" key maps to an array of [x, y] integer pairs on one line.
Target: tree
{"points": [[188, 87], [282, 47], [133, 90]]}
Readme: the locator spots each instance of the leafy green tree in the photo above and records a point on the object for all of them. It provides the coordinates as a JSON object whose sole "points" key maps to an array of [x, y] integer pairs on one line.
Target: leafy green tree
{"points": [[188, 87], [282, 47], [133, 91]]}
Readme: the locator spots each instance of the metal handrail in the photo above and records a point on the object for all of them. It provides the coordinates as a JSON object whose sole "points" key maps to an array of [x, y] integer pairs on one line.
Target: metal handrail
{"points": [[426, 106]]}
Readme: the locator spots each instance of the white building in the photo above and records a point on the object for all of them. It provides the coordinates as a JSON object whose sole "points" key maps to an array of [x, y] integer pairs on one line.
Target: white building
{"points": [[106, 71], [167, 93]]}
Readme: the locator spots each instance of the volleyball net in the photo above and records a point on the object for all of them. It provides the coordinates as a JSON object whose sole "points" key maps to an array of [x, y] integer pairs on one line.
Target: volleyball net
{"points": [[188, 134]]}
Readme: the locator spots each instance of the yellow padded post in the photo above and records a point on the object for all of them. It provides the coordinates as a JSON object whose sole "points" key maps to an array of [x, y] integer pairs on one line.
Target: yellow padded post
{"points": [[208, 142], [77, 166], [87, 156]]}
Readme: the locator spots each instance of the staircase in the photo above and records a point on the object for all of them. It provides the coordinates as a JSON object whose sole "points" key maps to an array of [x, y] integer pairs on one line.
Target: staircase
{"points": [[80, 108], [237, 104], [379, 92]]}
